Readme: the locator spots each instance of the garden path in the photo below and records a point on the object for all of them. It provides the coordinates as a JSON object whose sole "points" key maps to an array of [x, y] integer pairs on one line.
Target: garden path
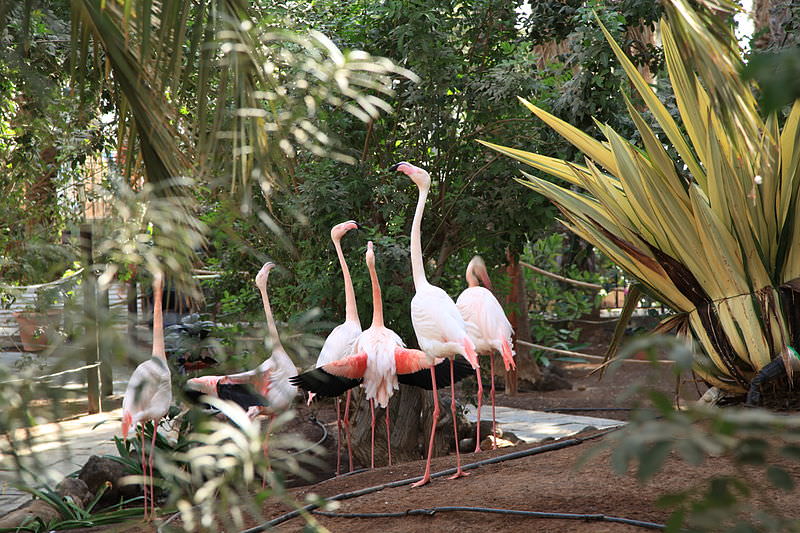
{"points": [[57, 449]]}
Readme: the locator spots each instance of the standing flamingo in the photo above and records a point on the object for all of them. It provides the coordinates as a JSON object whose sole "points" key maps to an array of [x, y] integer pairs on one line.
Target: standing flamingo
{"points": [[440, 330], [487, 325], [149, 392], [340, 342], [265, 389], [380, 360]]}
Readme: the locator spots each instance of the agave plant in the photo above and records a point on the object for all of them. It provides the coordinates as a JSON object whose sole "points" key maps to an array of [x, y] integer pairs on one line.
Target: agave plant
{"points": [[713, 234]]}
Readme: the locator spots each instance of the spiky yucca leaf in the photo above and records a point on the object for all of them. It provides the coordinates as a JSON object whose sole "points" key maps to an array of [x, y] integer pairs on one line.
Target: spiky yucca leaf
{"points": [[717, 242]]}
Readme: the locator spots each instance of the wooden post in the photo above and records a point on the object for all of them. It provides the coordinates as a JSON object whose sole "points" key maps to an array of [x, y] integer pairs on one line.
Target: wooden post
{"points": [[90, 313], [106, 373], [517, 302]]}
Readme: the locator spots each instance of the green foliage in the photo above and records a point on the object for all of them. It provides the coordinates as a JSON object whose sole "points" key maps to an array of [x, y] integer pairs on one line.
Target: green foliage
{"points": [[73, 516], [760, 446], [556, 303]]}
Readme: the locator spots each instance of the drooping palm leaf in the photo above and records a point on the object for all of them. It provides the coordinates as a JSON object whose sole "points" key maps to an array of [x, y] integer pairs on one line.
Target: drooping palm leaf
{"points": [[717, 243]]}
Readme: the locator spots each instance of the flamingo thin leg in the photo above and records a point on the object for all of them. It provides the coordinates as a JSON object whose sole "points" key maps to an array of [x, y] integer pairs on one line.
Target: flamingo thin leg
{"points": [[426, 477], [459, 473], [347, 430], [494, 417], [266, 449], [480, 403], [388, 436], [372, 449], [338, 437], [152, 479], [144, 474]]}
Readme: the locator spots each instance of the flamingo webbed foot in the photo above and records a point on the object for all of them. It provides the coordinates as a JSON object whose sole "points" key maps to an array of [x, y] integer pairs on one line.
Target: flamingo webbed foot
{"points": [[459, 474]]}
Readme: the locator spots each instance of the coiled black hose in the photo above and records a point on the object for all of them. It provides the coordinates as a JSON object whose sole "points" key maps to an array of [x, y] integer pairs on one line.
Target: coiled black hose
{"points": [[499, 459], [529, 514]]}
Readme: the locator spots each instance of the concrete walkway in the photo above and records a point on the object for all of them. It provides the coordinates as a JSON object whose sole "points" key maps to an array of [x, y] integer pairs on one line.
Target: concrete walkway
{"points": [[537, 426], [56, 449]]}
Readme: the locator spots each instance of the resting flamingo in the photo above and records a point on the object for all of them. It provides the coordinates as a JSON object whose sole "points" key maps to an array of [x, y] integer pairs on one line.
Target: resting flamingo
{"points": [[487, 325], [440, 329], [148, 395], [380, 360], [340, 342], [265, 389]]}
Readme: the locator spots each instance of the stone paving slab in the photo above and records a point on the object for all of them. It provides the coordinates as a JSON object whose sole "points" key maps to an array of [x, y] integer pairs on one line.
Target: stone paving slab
{"points": [[537, 426], [60, 448]]}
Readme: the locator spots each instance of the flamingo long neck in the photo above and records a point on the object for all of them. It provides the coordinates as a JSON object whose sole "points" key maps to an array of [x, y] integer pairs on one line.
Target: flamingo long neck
{"points": [[377, 301], [472, 279], [273, 329], [417, 265], [158, 320], [351, 311]]}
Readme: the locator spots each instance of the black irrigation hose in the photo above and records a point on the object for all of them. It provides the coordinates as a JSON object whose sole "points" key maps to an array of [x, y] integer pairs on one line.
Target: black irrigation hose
{"points": [[530, 514], [499, 459], [587, 409]]}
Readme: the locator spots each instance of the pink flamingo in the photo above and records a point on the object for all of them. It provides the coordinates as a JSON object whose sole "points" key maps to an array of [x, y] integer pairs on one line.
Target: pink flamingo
{"points": [[380, 360], [440, 329], [487, 325], [148, 395], [264, 390], [340, 342]]}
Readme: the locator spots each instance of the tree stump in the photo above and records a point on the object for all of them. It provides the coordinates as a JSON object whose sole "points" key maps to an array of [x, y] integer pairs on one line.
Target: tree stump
{"points": [[410, 413]]}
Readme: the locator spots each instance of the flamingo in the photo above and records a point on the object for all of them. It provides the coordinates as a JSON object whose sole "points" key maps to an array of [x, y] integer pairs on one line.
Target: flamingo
{"points": [[440, 329], [487, 325], [265, 389], [340, 342], [380, 360], [148, 395]]}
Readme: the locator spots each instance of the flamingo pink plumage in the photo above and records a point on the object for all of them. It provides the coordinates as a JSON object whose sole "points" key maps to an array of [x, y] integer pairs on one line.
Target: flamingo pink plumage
{"points": [[487, 325], [440, 329], [148, 395], [270, 380], [379, 355], [339, 343]]}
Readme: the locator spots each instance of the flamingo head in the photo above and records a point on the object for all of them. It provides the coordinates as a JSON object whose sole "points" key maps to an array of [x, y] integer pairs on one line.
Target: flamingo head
{"points": [[476, 269], [339, 230], [370, 255], [261, 277], [418, 175], [205, 384]]}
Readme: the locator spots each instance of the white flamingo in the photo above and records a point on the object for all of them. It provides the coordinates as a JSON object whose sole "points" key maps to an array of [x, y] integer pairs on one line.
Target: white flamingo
{"points": [[339, 343], [380, 360], [440, 329], [148, 395], [274, 392], [487, 325]]}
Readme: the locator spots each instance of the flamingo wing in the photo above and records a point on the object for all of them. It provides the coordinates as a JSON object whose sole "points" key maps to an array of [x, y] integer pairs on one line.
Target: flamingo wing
{"points": [[435, 317], [339, 343], [422, 378], [334, 378], [324, 384]]}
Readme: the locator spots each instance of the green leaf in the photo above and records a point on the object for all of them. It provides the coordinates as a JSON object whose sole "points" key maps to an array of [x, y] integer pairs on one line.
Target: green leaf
{"points": [[652, 459]]}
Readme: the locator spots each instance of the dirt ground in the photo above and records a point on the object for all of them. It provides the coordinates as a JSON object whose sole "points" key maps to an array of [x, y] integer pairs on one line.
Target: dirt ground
{"points": [[546, 482]]}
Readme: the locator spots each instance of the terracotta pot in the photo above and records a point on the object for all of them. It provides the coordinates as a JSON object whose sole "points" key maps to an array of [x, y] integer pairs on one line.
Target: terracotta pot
{"points": [[36, 330]]}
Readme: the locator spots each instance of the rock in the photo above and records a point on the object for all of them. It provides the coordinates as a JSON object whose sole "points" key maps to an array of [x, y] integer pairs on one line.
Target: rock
{"points": [[75, 489], [711, 397], [39, 509], [101, 470]]}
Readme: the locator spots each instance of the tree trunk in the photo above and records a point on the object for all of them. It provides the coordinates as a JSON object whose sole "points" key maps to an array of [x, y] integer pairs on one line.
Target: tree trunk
{"points": [[410, 412], [774, 21], [517, 303]]}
